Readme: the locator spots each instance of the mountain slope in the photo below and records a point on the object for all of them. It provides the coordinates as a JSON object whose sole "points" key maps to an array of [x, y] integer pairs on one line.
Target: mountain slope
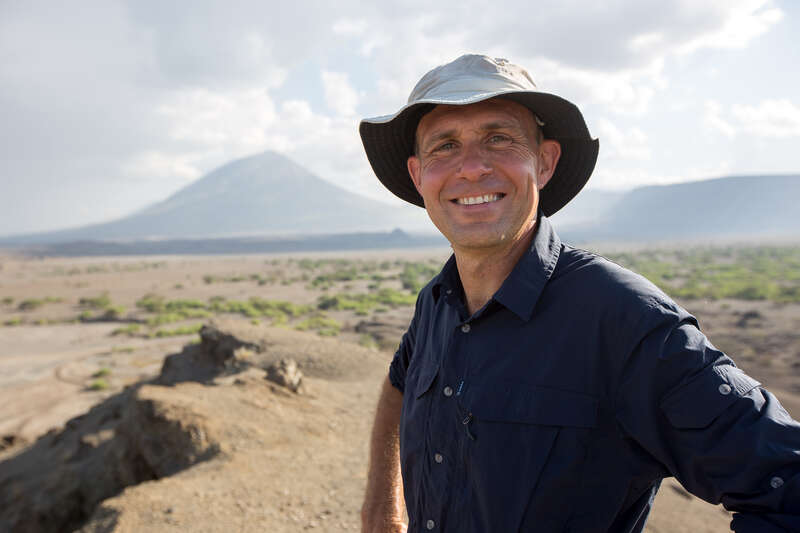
{"points": [[265, 194], [740, 207]]}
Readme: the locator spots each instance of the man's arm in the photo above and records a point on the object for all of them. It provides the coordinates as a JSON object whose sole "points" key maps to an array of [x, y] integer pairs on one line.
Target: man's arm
{"points": [[382, 511]]}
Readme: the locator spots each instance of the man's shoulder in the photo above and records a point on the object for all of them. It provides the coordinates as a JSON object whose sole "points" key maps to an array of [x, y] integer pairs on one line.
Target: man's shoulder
{"points": [[598, 278]]}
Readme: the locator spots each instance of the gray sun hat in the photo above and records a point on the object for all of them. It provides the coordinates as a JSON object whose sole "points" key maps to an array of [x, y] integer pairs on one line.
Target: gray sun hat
{"points": [[389, 139]]}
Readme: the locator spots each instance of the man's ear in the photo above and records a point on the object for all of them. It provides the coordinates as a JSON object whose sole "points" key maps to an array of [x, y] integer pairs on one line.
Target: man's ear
{"points": [[415, 171], [549, 154]]}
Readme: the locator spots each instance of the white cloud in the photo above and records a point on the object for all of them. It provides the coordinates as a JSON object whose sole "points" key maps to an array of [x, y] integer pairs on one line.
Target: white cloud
{"points": [[349, 27], [158, 165], [174, 91], [340, 96], [630, 144], [742, 22], [713, 121], [769, 118]]}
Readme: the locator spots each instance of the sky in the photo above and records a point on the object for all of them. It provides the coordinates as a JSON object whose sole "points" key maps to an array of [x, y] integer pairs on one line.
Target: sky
{"points": [[107, 107]]}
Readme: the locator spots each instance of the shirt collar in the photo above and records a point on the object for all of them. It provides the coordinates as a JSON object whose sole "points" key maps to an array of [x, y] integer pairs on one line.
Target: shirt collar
{"points": [[521, 289]]}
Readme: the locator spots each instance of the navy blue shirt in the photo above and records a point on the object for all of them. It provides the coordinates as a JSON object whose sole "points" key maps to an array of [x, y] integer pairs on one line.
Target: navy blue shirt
{"points": [[562, 403]]}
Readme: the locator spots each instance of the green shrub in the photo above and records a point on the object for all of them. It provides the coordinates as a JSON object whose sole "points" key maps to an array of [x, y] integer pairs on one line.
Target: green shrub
{"points": [[16, 321], [8, 300], [99, 384], [103, 372], [98, 302], [123, 349], [183, 330], [34, 303], [30, 304], [416, 275], [152, 303], [129, 330], [323, 324]]}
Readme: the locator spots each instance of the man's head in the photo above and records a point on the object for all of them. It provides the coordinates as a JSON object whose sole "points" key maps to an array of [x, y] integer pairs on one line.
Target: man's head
{"points": [[479, 168], [389, 140]]}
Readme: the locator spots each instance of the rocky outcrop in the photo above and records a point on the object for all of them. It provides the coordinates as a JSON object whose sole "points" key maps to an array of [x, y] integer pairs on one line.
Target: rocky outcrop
{"points": [[138, 435], [201, 406]]}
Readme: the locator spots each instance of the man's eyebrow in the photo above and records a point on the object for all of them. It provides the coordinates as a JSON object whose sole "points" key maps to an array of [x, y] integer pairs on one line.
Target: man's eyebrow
{"points": [[439, 136]]}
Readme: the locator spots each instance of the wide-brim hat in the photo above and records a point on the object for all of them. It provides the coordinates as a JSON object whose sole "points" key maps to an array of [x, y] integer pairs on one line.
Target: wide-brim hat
{"points": [[389, 140]]}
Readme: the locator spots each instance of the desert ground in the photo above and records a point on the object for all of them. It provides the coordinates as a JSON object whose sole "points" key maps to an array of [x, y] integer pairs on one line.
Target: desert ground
{"points": [[98, 433]]}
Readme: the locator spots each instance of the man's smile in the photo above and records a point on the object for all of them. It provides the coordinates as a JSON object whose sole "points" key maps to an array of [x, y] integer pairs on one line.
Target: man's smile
{"points": [[473, 200]]}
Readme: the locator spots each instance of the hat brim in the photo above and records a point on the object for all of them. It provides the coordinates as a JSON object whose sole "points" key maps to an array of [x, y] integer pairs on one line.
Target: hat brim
{"points": [[389, 141]]}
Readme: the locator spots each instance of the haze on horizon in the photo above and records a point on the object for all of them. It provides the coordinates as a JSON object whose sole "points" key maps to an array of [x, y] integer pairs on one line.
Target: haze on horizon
{"points": [[111, 106]]}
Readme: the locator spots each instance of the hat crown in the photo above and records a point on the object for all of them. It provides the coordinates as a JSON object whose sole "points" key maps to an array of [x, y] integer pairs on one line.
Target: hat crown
{"points": [[469, 76]]}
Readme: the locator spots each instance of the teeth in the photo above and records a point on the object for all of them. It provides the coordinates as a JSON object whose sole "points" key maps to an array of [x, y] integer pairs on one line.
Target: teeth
{"points": [[485, 199]]}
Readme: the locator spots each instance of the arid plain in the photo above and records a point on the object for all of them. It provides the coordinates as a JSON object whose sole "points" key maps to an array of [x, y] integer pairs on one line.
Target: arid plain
{"points": [[75, 332]]}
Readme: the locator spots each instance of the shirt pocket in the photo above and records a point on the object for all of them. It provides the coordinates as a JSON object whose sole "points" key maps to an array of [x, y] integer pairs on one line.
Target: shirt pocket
{"points": [[528, 442], [696, 403]]}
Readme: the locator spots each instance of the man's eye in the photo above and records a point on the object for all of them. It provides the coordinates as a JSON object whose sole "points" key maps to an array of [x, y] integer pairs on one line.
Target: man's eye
{"points": [[445, 147], [498, 139]]}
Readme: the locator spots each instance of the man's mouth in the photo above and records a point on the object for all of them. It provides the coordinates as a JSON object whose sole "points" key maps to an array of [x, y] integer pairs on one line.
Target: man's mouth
{"points": [[473, 200]]}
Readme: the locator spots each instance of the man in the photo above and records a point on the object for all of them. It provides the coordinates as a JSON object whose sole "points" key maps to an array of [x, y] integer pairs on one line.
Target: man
{"points": [[540, 387]]}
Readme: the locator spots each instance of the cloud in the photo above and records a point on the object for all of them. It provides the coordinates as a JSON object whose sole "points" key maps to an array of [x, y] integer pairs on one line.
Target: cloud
{"points": [[141, 91], [740, 23], [340, 96], [349, 26], [713, 121], [629, 144], [769, 118]]}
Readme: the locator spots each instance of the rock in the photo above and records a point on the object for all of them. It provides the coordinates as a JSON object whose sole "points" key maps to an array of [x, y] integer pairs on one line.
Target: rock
{"points": [[286, 374], [220, 352], [141, 434]]}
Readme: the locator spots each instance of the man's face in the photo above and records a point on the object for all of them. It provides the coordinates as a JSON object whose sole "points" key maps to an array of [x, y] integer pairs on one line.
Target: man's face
{"points": [[479, 169]]}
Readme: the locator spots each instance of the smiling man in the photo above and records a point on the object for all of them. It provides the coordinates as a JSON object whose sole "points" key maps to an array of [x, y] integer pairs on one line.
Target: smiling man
{"points": [[540, 387]]}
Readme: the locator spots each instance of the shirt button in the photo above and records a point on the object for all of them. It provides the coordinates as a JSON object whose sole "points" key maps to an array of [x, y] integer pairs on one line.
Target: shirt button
{"points": [[724, 389], [776, 482], [448, 391], [449, 291], [438, 458], [465, 328], [430, 524]]}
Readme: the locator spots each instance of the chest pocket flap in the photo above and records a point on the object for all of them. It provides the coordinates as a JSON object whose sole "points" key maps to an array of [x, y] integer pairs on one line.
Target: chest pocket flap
{"points": [[533, 405], [696, 403], [425, 380]]}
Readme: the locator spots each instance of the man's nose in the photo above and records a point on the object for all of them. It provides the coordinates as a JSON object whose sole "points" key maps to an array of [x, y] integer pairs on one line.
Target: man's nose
{"points": [[474, 163]]}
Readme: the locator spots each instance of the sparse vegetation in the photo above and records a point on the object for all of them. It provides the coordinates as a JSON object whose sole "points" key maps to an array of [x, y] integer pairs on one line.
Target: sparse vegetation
{"points": [[97, 302], [103, 372], [129, 330], [363, 303], [99, 384], [322, 324], [739, 273], [31, 304], [7, 300], [183, 330], [123, 349]]}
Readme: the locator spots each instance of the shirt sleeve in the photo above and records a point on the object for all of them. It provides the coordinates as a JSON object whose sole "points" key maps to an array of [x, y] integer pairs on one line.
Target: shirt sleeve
{"points": [[402, 357], [723, 436]]}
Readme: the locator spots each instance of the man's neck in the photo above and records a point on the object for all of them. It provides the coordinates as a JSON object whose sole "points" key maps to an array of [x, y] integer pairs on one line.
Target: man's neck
{"points": [[482, 272]]}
